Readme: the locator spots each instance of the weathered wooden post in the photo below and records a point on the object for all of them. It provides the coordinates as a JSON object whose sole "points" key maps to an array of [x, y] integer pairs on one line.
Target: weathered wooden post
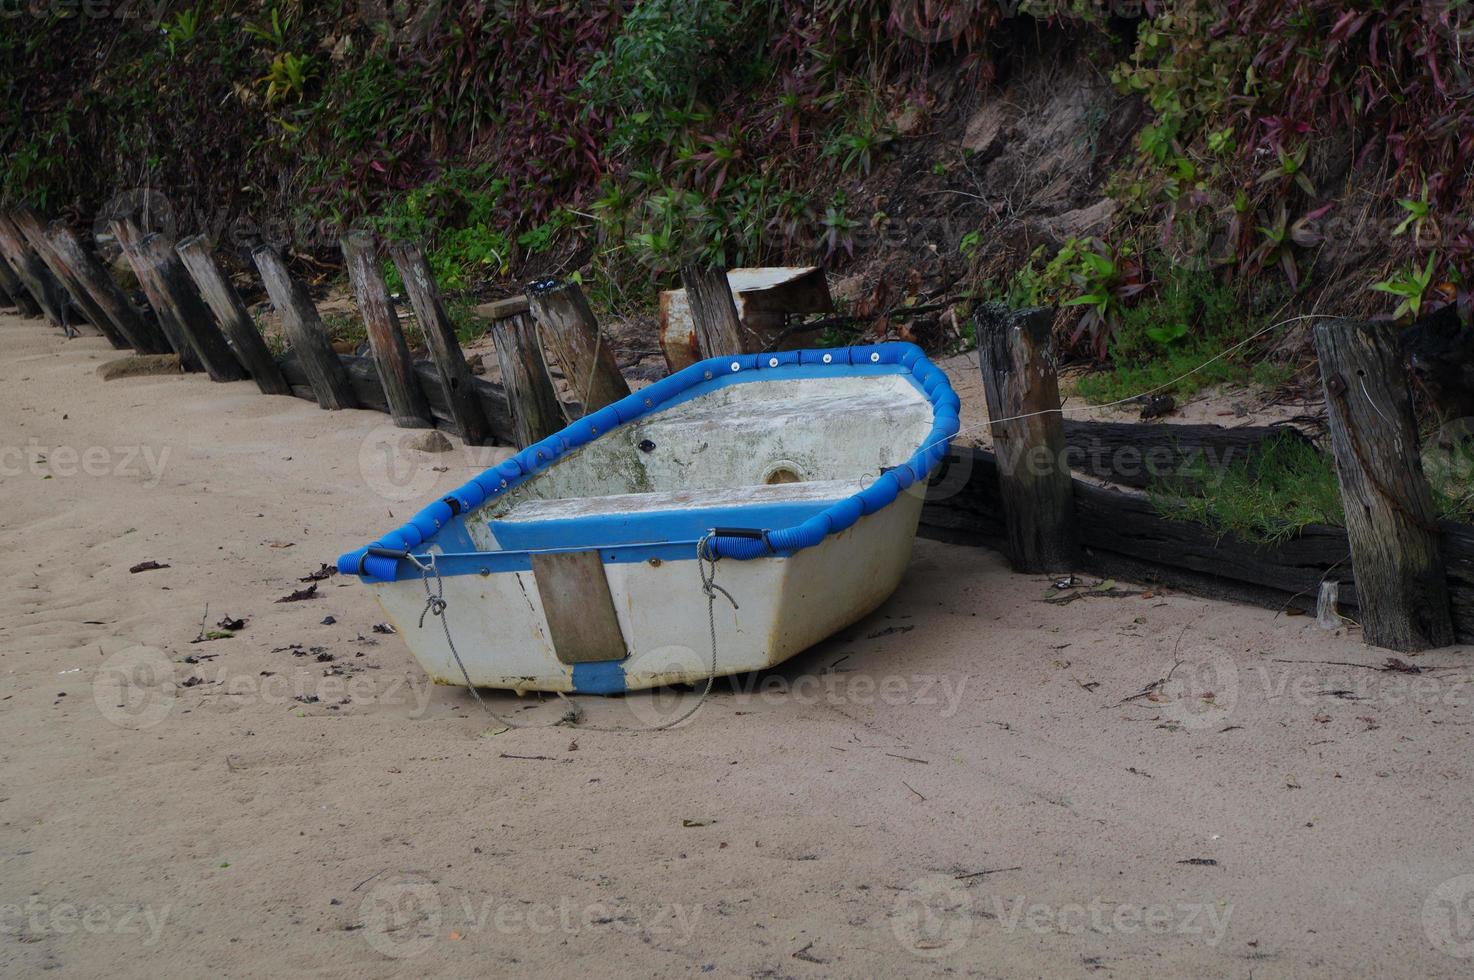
{"points": [[17, 291], [128, 236], [1019, 375], [536, 413], [713, 310], [407, 404], [191, 315], [303, 326], [1401, 587], [142, 335], [31, 271], [217, 292], [440, 336], [568, 328], [98, 322]]}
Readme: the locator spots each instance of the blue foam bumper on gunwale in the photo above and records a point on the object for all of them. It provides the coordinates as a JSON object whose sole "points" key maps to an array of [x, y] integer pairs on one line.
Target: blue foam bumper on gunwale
{"points": [[682, 386]]}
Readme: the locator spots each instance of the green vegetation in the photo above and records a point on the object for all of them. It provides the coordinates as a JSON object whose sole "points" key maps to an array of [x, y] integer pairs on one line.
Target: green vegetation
{"points": [[1273, 495], [1269, 497], [1186, 323]]}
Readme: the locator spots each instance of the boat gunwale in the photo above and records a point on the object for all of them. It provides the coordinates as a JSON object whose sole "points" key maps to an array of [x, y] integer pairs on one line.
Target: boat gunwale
{"points": [[381, 560]]}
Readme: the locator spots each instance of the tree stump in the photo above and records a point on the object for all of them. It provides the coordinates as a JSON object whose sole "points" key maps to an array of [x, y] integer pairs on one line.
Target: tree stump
{"points": [[236, 322], [141, 334], [1401, 585], [304, 329], [1019, 375], [568, 328], [536, 412], [407, 404], [445, 348], [713, 310]]}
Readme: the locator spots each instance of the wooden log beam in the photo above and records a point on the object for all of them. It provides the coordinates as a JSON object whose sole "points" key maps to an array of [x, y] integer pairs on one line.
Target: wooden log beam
{"points": [[440, 337], [407, 405], [31, 271], [363, 376], [236, 322], [141, 334], [570, 331], [1141, 455], [188, 310], [1123, 535], [1022, 388], [96, 323], [128, 236], [713, 310], [536, 413], [305, 331], [1389, 507], [18, 293]]}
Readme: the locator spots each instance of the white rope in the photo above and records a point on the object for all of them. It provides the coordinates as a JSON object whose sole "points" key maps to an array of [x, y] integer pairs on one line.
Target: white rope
{"points": [[1150, 391], [706, 566]]}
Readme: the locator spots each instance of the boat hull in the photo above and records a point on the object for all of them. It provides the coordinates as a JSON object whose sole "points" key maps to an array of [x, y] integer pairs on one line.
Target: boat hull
{"points": [[785, 605]]}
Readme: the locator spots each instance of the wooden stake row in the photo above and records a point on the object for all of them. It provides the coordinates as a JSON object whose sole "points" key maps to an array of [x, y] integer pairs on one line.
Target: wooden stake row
{"points": [[1392, 525], [201, 317]]}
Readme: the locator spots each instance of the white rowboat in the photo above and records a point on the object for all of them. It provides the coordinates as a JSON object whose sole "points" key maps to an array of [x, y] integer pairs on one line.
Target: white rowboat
{"points": [[573, 565]]}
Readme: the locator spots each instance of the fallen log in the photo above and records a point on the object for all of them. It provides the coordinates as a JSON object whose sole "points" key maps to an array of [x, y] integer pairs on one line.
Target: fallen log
{"points": [[363, 381], [1140, 455]]}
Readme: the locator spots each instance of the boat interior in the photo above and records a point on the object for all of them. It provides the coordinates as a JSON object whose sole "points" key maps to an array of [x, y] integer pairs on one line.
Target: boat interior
{"points": [[778, 451]]}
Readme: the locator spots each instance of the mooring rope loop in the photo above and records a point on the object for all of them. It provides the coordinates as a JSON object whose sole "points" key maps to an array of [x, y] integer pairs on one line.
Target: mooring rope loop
{"points": [[706, 566]]}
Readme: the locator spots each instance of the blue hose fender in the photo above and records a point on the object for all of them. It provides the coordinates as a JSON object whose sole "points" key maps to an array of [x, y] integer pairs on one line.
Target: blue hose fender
{"points": [[377, 561]]}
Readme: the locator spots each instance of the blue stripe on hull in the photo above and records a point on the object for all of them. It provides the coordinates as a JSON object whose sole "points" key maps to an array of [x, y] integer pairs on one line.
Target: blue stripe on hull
{"points": [[603, 677]]}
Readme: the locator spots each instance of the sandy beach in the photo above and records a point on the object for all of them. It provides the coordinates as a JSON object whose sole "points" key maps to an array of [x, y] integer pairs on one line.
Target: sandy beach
{"points": [[970, 782]]}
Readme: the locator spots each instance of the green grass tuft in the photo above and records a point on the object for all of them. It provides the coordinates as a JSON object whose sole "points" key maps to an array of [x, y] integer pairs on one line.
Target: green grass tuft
{"points": [[1160, 342], [1273, 495], [1269, 497]]}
